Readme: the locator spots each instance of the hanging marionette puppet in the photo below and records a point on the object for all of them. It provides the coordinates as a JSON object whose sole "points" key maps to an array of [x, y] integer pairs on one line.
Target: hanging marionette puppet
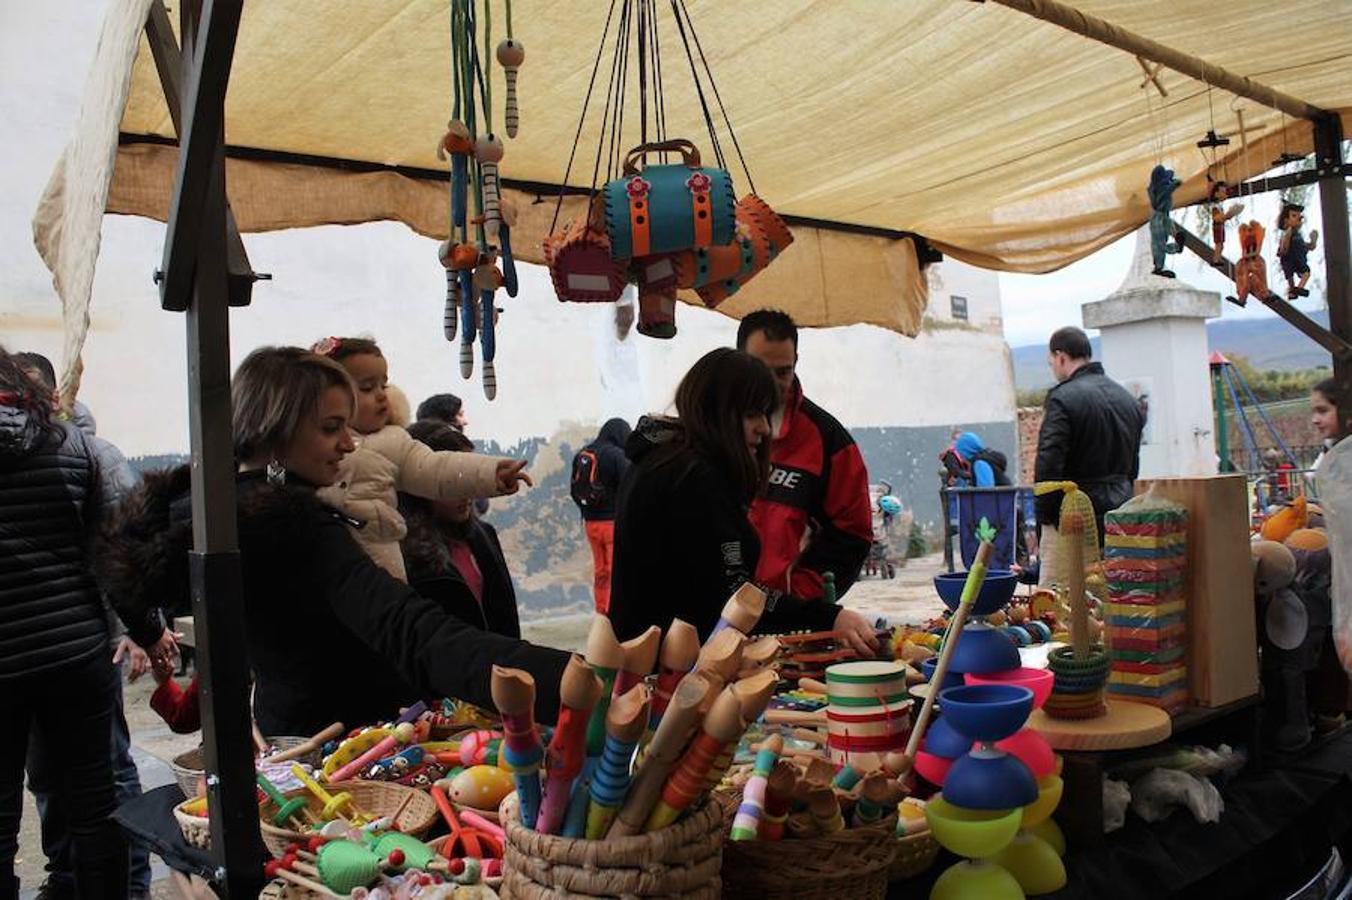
{"points": [[1292, 250], [1251, 270], [1162, 228], [1216, 197]]}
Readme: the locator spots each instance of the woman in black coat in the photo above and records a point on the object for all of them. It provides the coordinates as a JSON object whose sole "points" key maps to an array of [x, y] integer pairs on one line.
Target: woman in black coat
{"points": [[451, 556], [330, 636], [683, 543], [57, 681]]}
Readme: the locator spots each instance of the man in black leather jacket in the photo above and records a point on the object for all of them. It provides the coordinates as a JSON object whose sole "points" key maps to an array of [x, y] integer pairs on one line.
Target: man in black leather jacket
{"points": [[1091, 432]]}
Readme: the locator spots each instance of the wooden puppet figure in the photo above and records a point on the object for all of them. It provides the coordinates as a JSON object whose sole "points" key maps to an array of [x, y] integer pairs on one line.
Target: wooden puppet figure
{"points": [[1251, 270], [456, 145], [511, 55], [1293, 251], [488, 151], [1220, 192], [1161, 194]]}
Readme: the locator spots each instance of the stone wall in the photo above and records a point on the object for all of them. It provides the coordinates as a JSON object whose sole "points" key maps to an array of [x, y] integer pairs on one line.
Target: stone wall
{"points": [[1030, 423]]}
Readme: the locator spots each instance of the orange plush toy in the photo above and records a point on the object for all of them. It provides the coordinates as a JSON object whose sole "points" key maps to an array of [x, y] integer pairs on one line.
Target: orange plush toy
{"points": [[1285, 522]]}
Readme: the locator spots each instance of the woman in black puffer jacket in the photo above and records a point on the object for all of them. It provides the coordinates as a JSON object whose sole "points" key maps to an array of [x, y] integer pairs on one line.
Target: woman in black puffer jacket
{"points": [[330, 636], [57, 681]]}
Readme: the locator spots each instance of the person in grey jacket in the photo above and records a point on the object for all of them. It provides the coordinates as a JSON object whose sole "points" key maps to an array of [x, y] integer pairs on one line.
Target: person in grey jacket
{"points": [[57, 682], [116, 480]]}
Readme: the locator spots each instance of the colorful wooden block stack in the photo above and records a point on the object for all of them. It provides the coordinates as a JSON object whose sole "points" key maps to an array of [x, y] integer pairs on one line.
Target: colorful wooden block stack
{"points": [[1145, 550], [868, 712]]}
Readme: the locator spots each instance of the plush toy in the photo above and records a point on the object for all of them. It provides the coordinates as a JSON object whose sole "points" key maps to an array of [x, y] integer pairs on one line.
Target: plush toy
{"points": [[1293, 251], [1281, 524], [1286, 624], [1219, 193], [1161, 193]]}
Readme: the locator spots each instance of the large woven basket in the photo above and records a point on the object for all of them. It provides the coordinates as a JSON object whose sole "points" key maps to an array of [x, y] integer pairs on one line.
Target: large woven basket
{"points": [[417, 811], [188, 767], [682, 861], [915, 854]]}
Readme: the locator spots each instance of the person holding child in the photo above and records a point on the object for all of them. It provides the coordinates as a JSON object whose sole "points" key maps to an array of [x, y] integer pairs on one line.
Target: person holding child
{"points": [[330, 635], [387, 460]]}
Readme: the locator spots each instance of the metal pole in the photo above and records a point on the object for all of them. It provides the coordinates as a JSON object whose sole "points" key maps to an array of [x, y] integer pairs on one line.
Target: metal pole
{"points": [[1222, 429], [214, 570], [1328, 146]]}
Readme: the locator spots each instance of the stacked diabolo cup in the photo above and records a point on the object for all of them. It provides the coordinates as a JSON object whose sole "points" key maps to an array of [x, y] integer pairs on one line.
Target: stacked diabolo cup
{"points": [[999, 779]]}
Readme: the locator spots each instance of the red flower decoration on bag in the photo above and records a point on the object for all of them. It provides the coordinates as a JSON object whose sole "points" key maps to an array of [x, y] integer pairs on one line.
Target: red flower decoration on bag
{"points": [[699, 183], [638, 187]]}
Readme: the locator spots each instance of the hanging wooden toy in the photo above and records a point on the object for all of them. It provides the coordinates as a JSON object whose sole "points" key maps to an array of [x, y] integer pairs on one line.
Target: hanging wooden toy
{"points": [[1251, 270], [1220, 214], [488, 152], [511, 54], [1293, 250], [1162, 228]]}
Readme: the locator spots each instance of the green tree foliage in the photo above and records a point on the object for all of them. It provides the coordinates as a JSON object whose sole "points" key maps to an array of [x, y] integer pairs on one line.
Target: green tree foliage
{"points": [[1270, 384]]}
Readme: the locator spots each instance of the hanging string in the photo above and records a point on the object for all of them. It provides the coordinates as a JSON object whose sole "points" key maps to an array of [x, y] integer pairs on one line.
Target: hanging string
{"points": [[607, 124], [642, 72], [617, 143], [660, 104], [508, 4], [487, 82], [714, 85], [577, 136], [699, 88]]}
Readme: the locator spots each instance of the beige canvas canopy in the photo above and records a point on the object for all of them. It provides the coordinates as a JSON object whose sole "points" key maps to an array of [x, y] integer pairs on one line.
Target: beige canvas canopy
{"points": [[1003, 140]]}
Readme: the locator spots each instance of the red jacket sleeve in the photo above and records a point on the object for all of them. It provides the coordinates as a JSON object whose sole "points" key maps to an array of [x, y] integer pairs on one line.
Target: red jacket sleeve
{"points": [[840, 544], [178, 707]]}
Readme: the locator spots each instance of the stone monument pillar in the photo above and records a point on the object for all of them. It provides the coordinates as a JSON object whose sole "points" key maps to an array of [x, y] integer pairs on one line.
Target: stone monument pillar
{"points": [[1153, 342]]}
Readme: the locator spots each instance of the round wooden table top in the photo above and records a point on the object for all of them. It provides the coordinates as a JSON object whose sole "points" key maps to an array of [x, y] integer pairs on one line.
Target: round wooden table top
{"points": [[1126, 726]]}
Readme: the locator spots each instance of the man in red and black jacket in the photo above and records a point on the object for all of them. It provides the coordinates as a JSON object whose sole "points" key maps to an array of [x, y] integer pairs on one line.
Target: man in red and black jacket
{"points": [[815, 516]]}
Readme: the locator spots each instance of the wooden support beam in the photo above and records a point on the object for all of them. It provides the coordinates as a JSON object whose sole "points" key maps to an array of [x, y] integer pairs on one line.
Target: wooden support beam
{"points": [[1339, 346], [1280, 183], [1328, 149], [196, 255], [201, 129], [1096, 29], [168, 59]]}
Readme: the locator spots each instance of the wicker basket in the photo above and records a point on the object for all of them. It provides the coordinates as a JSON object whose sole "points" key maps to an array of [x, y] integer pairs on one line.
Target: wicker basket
{"points": [[854, 863], [915, 854], [417, 811], [196, 830], [188, 767], [680, 861]]}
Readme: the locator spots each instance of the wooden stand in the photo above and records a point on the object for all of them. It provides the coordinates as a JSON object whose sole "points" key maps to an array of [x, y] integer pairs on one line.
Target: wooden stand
{"points": [[1125, 727]]}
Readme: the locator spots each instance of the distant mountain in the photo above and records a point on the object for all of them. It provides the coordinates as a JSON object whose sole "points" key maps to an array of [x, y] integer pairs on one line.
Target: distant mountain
{"points": [[1268, 343]]}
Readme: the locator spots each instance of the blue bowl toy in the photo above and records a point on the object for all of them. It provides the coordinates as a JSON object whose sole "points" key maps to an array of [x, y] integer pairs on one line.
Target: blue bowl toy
{"points": [[996, 591], [942, 740], [982, 649], [951, 678], [987, 712], [991, 780]]}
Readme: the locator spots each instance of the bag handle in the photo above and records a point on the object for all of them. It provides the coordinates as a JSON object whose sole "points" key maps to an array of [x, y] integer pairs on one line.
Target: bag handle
{"points": [[689, 153]]}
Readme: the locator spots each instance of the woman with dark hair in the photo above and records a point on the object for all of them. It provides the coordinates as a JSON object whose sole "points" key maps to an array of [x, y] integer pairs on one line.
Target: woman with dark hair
{"points": [[683, 543], [330, 635], [452, 557], [57, 681]]}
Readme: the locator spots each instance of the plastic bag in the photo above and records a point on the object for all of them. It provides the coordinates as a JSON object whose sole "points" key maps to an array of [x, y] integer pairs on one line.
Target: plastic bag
{"points": [[1334, 478], [1155, 794], [1116, 799]]}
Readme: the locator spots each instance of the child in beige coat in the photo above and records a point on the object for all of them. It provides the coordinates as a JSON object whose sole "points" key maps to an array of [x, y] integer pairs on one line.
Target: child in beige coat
{"points": [[387, 460]]}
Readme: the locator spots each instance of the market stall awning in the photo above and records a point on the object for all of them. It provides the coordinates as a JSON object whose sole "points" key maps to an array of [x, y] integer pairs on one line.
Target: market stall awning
{"points": [[1003, 140]]}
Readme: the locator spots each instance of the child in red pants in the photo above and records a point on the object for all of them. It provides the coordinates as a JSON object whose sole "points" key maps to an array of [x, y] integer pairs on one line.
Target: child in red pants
{"points": [[177, 706]]}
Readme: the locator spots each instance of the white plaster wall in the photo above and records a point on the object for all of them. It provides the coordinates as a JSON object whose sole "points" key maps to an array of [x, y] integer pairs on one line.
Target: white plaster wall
{"points": [[981, 287], [556, 363], [1167, 358]]}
